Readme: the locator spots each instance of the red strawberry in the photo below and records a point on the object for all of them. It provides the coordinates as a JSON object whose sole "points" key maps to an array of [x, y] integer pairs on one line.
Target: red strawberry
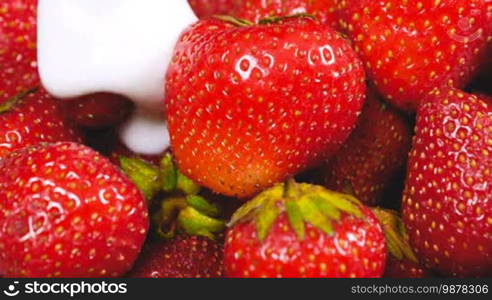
{"points": [[248, 106], [207, 8], [447, 203], [410, 47], [67, 212], [31, 118], [402, 262], [254, 10], [302, 230], [18, 57], [375, 153], [99, 110], [182, 257]]}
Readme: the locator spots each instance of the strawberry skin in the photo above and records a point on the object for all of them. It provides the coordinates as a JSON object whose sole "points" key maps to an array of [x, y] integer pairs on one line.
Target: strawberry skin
{"points": [[405, 268], [32, 118], [101, 110], [351, 246], [182, 257], [67, 212], [410, 47], [249, 106], [208, 8], [447, 202], [18, 56], [326, 11], [376, 151]]}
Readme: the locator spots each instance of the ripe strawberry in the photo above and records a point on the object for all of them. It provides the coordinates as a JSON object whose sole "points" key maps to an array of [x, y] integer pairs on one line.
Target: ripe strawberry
{"points": [[182, 257], [375, 153], [18, 58], [401, 262], [410, 47], [31, 118], [302, 230], [447, 203], [99, 110], [249, 106], [208, 8], [67, 212], [254, 10]]}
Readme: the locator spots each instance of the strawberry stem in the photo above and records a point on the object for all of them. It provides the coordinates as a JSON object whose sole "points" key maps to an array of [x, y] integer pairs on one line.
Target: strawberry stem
{"points": [[234, 21]]}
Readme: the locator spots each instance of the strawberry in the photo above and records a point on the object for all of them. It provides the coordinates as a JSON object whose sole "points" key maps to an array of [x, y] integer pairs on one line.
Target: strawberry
{"points": [[447, 204], [30, 118], [18, 57], [67, 212], [374, 154], [101, 110], [411, 47], [401, 262], [208, 8], [182, 257], [326, 11], [302, 230], [250, 105]]}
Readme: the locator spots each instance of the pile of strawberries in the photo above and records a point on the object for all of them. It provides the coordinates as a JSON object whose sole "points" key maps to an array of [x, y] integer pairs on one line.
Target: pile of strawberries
{"points": [[330, 138]]}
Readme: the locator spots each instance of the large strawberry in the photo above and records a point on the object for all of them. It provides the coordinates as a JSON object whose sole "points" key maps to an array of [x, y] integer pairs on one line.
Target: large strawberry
{"points": [[375, 153], [448, 196], [410, 47], [30, 118], [18, 56], [182, 257], [302, 230], [67, 212], [248, 106], [326, 11], [207, 8]]}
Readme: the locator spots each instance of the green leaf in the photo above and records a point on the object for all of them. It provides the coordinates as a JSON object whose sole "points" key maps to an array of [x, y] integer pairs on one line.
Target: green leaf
{"points": [[186, 185], [202, 205], [295, 218], [311, 213], [266, 217], [168, 174]]}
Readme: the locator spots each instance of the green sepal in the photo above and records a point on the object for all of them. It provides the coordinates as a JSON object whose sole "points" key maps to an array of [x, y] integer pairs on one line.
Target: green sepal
{"points": [[186, 185], [343, 202], [164, 219], [234, 21], [202, 205], [143, 174], [296, 219], [312, 214], [277, 19], [395, 234], [249, 209], [168, 173], [11, 102], [193, 222], [326, 207], [266, 217]]}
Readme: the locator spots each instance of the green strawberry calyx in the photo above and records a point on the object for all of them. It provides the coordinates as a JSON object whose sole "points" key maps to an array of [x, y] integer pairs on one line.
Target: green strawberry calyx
{"points": [[396, 235], [180, 209], [303, 203]]}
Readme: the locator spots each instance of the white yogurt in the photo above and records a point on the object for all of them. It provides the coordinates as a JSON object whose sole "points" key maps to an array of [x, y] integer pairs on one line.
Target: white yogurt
{"points": [[118, 46]]}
